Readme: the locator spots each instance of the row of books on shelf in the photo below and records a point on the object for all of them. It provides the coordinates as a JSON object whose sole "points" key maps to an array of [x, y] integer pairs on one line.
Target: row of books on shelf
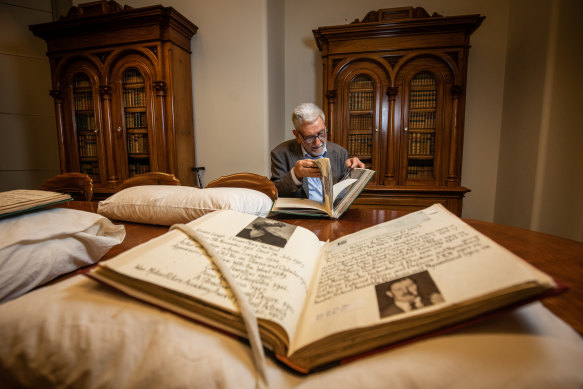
{"points": [[87, 144], [132, 76], [423, 99], [137, 143], [135, 97], [135, 119], [422, 119], [138, 168], [419, 172], [81, 81], [361, 82], [423, 79], [360, 100], [90, 168], [421, 144], [361, 122], [359, 144], [83, 101], [85, 122]]}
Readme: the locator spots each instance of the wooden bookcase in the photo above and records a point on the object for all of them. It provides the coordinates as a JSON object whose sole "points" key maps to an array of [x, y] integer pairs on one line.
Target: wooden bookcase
{"points": [[121, 83], [394, 95]]}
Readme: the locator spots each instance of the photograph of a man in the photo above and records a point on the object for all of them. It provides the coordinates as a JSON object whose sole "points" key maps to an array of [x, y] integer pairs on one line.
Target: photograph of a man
{"points": [[267, 231], [407, 294]]}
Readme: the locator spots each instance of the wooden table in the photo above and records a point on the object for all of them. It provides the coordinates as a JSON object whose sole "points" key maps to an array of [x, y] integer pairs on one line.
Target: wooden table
{"points": [[561, 258]]}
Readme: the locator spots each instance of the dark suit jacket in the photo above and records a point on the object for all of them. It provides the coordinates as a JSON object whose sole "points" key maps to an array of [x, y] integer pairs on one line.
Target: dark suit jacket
{"points": [[284, 158]]}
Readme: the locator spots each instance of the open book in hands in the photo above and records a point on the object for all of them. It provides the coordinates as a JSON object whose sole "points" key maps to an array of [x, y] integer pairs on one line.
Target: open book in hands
{"points": [[337, 197], [317, 303]]}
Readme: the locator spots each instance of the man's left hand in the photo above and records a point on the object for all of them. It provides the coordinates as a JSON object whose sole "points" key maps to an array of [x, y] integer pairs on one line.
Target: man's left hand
{"points": [[354, 162]]}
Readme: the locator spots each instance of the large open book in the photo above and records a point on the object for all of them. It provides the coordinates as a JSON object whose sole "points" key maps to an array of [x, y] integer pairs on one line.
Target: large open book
{"points": [[23, 200], [317, 303], [337, 197]]}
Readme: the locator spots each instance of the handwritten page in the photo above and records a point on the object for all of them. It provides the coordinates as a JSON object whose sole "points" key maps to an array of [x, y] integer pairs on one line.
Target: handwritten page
{"points": [[463, 264], [275, 279]]}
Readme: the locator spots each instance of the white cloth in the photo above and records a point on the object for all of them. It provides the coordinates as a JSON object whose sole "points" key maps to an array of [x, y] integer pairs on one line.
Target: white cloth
{"points": [[78, 333], [37, 247]]}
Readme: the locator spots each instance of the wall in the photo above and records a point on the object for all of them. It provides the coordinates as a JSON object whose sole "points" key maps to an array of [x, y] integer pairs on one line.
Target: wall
{"points": [[276, 68], [28, 151], [542, 139], [558, 206], [525, 74]]}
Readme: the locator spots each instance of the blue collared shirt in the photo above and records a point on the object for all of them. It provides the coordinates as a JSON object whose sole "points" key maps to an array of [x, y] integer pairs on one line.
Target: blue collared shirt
{"points": [[315, 183]]}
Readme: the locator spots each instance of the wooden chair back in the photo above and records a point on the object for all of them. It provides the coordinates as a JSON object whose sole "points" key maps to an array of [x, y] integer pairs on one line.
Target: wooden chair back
{"points": [[151, 178], [78, 185], [246, 180]]}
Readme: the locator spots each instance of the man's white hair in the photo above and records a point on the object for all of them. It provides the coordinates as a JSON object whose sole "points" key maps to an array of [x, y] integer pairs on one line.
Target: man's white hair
{"points": [[306, 113]]}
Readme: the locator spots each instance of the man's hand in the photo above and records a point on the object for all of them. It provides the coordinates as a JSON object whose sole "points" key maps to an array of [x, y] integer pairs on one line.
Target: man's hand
{"points": [[306, 168], [354, 162]]}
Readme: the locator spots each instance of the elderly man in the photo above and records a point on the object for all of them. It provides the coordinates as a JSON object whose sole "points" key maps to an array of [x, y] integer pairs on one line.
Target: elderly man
{"points": [[292, 167]]}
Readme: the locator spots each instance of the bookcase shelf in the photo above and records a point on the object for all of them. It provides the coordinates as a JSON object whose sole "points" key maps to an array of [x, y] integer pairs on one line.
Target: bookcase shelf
{"points": [[136, 122], [394, 96], [421, 127], [118, 76], [360, 117]]}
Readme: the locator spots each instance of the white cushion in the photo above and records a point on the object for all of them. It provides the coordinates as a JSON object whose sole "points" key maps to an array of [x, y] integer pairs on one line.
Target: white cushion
{"points": [[166, 205], [39, 246], [79, 333]]}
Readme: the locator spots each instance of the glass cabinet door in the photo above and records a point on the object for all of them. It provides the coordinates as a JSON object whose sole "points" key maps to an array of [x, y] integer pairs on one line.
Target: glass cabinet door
{"points": [[360, 110], [85, 126], [135, 117], [420, 128]]}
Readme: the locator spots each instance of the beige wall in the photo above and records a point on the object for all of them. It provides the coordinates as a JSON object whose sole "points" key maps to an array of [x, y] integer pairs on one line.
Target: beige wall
{"points": [[540, 184], [254, 60], [28, 150], [558, 206]]}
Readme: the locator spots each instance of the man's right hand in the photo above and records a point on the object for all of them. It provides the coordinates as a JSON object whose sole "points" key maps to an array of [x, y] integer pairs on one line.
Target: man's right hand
{"points": [[306, 168]]}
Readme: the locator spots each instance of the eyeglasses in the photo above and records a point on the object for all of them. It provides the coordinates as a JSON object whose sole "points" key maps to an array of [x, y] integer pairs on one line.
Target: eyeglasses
{"points": [[310, 139]]}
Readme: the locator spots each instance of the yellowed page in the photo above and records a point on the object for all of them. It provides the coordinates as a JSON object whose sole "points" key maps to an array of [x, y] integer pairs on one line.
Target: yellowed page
{"points": [[448, 260], [326, 170], [275, 279], [298, 203], [22, 199]]}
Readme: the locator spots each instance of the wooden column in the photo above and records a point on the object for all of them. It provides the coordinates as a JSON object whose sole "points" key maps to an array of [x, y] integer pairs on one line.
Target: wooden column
{"points": [[392, 92], [57, 96], [452, 174], [164, 140], [110, 135]]}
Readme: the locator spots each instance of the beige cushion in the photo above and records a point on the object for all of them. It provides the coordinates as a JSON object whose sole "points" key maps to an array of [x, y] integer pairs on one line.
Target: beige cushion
{"points": [[167, 205], [79, 333]]}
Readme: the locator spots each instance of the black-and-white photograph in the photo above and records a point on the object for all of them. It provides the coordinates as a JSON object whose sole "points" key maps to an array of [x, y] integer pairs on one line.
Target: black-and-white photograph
{"points": [[407, 294], [267, 231]]}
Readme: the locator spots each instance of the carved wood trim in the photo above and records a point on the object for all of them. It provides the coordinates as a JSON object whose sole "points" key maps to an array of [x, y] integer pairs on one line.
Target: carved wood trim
{"points": [[390, 14], [392, 60], [94, 8]]}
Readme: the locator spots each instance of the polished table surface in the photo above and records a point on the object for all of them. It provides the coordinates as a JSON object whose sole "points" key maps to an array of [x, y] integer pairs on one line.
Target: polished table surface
{"points": [[559, 257]]}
